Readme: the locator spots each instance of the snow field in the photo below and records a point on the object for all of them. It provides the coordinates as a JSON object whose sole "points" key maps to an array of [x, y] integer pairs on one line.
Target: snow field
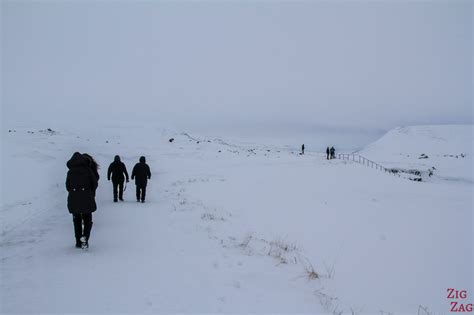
{"points": [[252, 228]]}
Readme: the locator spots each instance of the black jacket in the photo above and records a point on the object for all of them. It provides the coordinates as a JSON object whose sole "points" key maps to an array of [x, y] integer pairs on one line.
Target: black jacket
{"points": [[117, 169], [141, 173], [81, 183]]}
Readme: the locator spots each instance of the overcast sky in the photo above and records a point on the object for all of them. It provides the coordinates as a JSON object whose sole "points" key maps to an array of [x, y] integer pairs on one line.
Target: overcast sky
{"points": [[375, 64]]}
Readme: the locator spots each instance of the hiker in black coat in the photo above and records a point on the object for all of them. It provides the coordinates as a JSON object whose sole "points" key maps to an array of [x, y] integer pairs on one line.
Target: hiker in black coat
{"points": [[117, 169], [141, 173], [81, 184], [333, 155], [302, 149], [327, 153]]}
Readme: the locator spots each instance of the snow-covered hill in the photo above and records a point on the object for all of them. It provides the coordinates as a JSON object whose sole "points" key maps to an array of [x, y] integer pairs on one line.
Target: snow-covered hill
{"points": [[447, 148], [236, 227]]}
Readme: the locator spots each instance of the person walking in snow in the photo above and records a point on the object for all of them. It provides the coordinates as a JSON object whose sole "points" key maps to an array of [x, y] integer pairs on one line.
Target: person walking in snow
{"points": [[81, 184], [117, 169], [141, 173], [302, 149], [327, 153], [333, 152]]}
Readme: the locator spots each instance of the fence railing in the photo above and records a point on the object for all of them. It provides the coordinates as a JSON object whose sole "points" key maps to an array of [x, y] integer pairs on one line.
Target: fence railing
{"points": [[364, 161]]}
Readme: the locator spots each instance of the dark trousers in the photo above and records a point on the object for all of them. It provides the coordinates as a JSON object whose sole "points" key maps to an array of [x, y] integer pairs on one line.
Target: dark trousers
{"points": [[141, 192], [79, 220], [118, 189]]}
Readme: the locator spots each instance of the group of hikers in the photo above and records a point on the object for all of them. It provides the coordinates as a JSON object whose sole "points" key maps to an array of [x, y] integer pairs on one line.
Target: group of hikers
{"points": [[118, 172], [330, 152], [82, 181]]}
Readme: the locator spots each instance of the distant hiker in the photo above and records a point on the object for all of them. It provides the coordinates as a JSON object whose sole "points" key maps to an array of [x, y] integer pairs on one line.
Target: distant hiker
{"points": [[81, 184], [117, 169], [332, 150], [302, 149], [327, 153], [141, 173]]}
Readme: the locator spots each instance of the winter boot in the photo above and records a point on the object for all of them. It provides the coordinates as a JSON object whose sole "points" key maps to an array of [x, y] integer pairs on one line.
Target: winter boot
{"points": [[84, 243]]}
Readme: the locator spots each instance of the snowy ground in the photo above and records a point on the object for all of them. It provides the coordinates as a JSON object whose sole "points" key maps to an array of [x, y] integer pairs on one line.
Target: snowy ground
{"points": [[237, 227]]}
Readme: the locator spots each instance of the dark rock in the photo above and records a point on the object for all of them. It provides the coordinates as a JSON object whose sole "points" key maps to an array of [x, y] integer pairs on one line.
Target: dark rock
{"points": [[171, 140]]}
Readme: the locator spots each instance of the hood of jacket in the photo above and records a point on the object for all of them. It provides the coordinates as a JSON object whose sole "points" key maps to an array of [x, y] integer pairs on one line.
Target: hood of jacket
{"points": [[142, 159], [117, 158], [77, 160]]}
